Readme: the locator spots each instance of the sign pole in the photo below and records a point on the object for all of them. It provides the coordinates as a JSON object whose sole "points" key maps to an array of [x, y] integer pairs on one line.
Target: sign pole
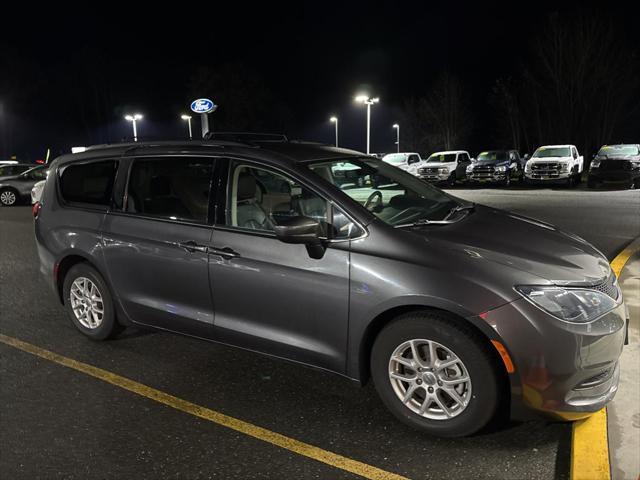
{"points": [[204, 120]]}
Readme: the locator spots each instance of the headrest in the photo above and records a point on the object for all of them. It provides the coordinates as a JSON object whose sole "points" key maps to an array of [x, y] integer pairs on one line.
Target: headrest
{"points": [[246, 187]]}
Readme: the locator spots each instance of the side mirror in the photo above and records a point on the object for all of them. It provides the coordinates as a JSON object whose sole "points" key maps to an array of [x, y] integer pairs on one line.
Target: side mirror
{"points": [[303, 230]]}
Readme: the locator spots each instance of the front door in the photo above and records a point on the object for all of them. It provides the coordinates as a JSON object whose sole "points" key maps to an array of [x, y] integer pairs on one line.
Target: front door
{"points": [[270, 296], [156, 247]]}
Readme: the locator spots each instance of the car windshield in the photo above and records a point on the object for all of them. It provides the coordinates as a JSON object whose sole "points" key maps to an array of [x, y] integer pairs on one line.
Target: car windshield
{"points": [[394, 196], [442, 157], [492, 156], [395, 158], [622, 150], [546, 152]]}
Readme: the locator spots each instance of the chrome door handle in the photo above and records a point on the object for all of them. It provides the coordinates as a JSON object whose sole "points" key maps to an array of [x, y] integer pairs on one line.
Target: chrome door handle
{"points": [[224, 252], [191, 246]]}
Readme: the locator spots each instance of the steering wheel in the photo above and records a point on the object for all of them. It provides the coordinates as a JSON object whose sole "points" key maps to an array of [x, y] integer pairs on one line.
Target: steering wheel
{"points": [[374, 201]]}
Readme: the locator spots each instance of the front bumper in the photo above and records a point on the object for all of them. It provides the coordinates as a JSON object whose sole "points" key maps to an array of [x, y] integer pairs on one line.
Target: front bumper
{"points": [[614, 176], [487, 178], [546, 177], [564, 370], [434, 177]]}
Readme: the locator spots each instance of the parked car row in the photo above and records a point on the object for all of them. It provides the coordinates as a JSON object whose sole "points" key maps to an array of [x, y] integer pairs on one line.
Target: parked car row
{"points": [[550, 164], [17, 181]]}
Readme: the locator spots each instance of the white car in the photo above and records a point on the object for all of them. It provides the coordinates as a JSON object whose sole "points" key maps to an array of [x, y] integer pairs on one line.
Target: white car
{"points": [[554, 163], [407, 161], [446, 167], [36, 191]]}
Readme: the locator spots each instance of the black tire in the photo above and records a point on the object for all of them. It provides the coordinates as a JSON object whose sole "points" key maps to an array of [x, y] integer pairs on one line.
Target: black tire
{"points": [[451, 181], [507, 180], [471, 349], [9, 197], [109, 326]]}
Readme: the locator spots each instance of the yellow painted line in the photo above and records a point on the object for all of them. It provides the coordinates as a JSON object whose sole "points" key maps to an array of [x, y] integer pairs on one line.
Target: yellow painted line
{"points": [[589, 439], [618, 263], [282, 441], [590, 448]]}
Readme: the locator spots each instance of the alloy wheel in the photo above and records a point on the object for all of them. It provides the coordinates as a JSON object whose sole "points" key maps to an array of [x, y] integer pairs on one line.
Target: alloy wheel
{"points": [[86, 303], [8, 198], [430, 379]]}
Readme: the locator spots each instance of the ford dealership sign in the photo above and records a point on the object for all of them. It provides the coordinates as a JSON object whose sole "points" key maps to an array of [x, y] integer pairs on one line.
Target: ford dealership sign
{"points": [[203, 105]]}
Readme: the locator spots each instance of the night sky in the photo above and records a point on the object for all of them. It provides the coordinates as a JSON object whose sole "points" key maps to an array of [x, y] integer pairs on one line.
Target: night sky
{"points": [[313, 56]]}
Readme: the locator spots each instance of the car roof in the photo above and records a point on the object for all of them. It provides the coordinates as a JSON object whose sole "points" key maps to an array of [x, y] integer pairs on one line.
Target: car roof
{"points": [[556, 146], [449, 151], [283, 151]]}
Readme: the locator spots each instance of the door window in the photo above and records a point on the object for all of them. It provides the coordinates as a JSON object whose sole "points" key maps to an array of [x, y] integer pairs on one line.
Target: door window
{"points": [[259, 199], [413, 159], [174, 188]]}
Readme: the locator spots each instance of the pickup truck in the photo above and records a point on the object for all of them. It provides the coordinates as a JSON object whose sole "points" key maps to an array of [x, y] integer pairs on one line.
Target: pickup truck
{"points": [[445, 167], [408, 161], [555, 163], [495, 166], [616, 164]]}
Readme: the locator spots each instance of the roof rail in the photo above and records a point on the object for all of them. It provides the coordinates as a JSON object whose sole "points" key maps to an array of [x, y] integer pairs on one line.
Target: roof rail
{"points": [[247, 137]]}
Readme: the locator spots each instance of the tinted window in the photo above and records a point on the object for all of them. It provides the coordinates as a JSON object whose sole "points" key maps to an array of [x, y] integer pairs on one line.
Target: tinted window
{"points": [[37, 173], [173, 188], [8, 170], [259, 199], [413, 159], [90, 183]]}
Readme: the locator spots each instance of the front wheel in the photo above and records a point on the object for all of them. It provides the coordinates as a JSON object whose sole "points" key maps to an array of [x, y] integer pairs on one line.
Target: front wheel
{"points": [[507, 180], [436, 375], [89, 304], [451, 181]]}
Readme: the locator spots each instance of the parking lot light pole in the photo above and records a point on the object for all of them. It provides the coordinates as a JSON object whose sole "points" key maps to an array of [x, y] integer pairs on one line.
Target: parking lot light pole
{"points": [[188, 120], [365, 99], [133, 119], [397, 127], [335, 120]]}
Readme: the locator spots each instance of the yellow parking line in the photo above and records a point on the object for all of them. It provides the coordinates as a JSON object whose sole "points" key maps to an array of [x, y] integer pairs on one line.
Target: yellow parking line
{"points": [[282, 441], [589, 439]]}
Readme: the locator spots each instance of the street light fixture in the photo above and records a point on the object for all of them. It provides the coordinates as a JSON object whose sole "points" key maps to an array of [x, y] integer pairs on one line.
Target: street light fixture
{"points": [[335, 120], [133, 119], [397, 127], [365, 99], [188, 120]]}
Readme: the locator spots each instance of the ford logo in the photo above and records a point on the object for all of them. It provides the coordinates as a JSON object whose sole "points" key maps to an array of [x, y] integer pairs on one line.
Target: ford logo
{"points": [[203, 105]]}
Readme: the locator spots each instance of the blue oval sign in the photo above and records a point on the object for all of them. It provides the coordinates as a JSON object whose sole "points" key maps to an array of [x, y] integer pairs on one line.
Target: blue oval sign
{"points": [[203, 105]]}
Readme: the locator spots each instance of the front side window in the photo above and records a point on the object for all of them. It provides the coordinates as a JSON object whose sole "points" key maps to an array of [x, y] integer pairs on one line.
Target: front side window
{"points": [[413, 159], [36, 173], [259, 199], [174, 188], [87, 183], [394, 196]]}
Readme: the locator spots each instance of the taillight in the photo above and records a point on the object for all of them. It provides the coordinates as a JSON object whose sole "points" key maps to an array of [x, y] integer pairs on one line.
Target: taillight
{"points": [[35, 209]]}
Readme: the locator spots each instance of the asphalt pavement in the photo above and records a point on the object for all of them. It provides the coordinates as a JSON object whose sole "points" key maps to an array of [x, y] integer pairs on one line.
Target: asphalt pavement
{"points": [[59, 423]]}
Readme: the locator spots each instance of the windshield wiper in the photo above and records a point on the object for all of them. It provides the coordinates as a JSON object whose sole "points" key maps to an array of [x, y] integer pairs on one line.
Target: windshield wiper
{"points": [[459, 208]]}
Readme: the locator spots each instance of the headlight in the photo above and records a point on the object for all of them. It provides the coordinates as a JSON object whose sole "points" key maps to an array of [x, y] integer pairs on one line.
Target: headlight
{"points": [[502, 168], [443, 170], [564, 167], [576, 305], [595, 163], [469, 168], [527, 167]]}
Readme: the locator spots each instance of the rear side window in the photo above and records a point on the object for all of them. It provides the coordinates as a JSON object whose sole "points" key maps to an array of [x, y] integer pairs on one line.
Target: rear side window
{"points": [[175, 188], [88, 183]]}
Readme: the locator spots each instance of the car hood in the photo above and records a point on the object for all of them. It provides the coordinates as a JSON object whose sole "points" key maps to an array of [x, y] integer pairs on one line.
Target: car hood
{"points": [[550, 159], [495, 164], [498, 237], [439, 164]]}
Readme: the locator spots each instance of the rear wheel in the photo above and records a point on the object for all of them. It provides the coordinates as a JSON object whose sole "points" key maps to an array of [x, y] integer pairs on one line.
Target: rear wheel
{"points": [[436, 375], [89, 303], [8, 197]]}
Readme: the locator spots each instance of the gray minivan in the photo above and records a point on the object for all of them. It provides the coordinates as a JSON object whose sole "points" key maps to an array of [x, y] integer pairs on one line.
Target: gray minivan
{"points": [[458, 312]]}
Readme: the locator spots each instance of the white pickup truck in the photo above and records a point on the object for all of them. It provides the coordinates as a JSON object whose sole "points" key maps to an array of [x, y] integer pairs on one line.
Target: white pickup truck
{"points": [[408, 161], [446, 167], [554, 163]]}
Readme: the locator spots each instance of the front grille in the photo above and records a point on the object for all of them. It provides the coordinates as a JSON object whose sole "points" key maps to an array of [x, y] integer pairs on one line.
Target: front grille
{"points": [[615, 165], [547, 169], [428, 171], [609, 287], [484, 169]]}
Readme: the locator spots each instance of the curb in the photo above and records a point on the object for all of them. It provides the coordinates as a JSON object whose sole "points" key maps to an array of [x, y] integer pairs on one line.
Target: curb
{"points": [[590, 440]]}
